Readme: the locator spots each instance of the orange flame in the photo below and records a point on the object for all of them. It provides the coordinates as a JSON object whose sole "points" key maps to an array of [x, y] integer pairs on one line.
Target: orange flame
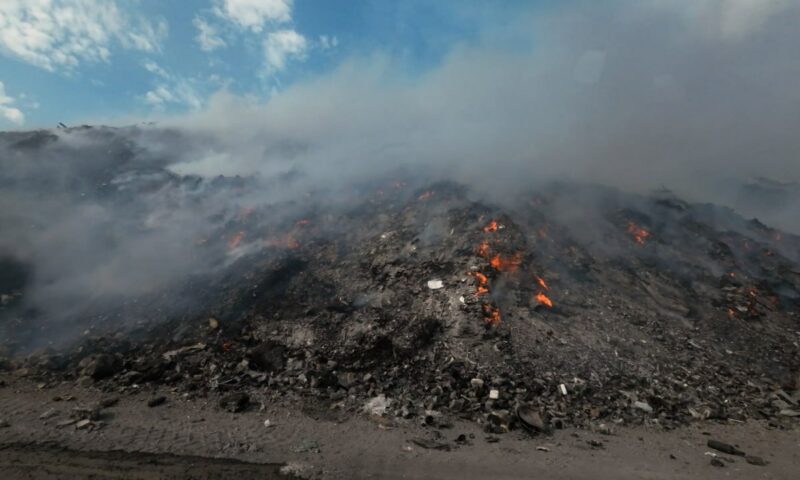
{"points": [[491, 226], [483, 249], [482, 282], [639, 234], [507, 264], [426, 195], [541, 282], [543, 300], [235, 240], [491, 315]]}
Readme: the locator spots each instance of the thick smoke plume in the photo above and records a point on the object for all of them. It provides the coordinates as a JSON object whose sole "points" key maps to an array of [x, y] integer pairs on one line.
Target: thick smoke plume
{"points": [[699, 97]]}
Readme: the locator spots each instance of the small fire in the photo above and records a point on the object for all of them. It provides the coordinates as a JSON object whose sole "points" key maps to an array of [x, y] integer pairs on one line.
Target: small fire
{"points": [[482, 282], [777, 236], [639, 234], [491, 315], [283, 241], [227, 345], [483, 249], [426, 195], [543, 300], [541, 282], [399, 184], [505, 264], [491, 226], [302, 222], [235, 240]]}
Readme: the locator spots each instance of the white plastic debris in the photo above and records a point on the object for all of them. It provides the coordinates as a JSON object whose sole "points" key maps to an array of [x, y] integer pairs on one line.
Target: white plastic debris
{"points": [[476, 382], [644, 406], [268, 423], [494, 394], [377, 405], [435, 284], [462, 300], [563, 389]]}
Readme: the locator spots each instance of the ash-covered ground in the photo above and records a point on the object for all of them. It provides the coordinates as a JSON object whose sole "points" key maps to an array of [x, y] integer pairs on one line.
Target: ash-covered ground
{"points": [[411, 301]]}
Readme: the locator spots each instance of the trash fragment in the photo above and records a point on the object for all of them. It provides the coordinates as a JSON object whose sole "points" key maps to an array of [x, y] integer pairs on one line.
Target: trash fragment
{"points": [[494, 394], [531, 419], [435, 284], [644, 406], [377, 405], [563, 389]]}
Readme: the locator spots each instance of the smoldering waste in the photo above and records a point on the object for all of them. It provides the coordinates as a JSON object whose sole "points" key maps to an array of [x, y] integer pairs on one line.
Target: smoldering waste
{"points": [[570, 305]]}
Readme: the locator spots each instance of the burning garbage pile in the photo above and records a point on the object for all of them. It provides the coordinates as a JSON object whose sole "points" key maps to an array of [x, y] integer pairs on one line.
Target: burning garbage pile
{"points": [[427, 305]]}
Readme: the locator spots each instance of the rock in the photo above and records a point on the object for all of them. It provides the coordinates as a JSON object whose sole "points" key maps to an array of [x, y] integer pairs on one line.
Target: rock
{"points": [[476, 382], [102, 366], [644, 406], [306, 446], [754, 460], [717, 462], [91, 412], [267, 357], [213, 323], [156, 401], [531, 419], [235, 402], [724, 447], [4, 424]]}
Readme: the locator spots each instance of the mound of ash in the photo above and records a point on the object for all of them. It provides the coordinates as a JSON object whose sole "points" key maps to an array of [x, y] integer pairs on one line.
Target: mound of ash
{"points": [[570, 305]]}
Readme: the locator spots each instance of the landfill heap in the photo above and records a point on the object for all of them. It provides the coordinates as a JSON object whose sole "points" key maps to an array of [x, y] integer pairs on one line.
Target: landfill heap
{"points": [[568, 305]]}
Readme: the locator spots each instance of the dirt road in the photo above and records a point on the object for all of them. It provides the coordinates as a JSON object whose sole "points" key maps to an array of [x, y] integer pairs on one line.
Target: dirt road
{"points": [[194, 439]]}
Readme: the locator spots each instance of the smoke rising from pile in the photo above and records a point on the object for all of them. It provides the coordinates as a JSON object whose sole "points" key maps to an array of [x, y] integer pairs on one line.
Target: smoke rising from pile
{"points": [[693, 96]]}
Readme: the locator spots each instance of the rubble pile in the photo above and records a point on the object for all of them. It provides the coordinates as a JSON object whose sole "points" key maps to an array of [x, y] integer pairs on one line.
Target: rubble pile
{"points": [[570, 305]]}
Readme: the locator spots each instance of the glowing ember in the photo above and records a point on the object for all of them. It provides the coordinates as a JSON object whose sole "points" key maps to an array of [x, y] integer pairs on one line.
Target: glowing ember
{"points": [[227, 345], [491, 226], [491, 315], [283, 241], [302, 222], [483, 249], [505, 264], [542, 283], [543, 300], [235, 240], [639, 234], [482, 282], [426, 195]]}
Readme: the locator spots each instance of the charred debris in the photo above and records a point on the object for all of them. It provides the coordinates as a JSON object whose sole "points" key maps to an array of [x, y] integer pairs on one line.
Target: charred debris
{"points": [[570, 305]]}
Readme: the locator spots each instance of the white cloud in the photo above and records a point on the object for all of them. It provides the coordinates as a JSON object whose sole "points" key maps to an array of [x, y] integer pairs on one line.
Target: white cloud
{"points": [[283, 45], [254, 14], [327, 42], [170, 89], [207, 35], [54, 34], [13, 115]]}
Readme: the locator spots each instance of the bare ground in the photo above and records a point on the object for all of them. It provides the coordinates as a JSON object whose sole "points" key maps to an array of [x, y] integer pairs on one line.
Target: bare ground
{"points": [[195, 439]]}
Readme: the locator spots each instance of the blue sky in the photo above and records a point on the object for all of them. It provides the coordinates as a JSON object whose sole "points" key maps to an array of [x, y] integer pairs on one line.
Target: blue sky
{"points": [[80, 60]]}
